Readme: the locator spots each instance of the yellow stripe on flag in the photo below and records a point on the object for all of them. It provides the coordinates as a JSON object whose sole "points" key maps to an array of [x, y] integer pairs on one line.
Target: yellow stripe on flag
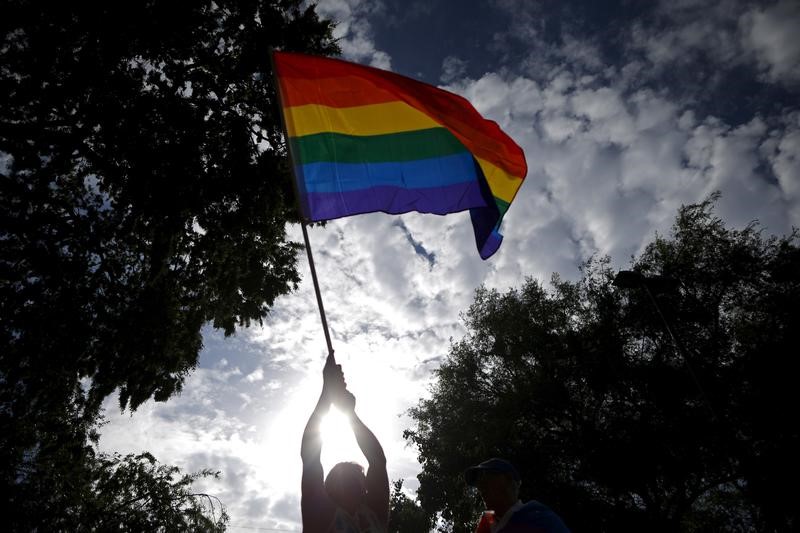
{"points": [[375, 119], [502, 184]]}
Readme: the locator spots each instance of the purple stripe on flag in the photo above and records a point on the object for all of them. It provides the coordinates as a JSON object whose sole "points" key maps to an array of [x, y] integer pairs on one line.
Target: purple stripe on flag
{"points": [[395, 200]]}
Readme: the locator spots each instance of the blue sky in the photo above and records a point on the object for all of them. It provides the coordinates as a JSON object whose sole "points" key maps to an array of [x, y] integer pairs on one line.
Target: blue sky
{"points": [[625, 110]]}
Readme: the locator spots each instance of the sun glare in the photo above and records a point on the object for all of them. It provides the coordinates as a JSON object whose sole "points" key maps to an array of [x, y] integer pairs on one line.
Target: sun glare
{"points": [[280, 465], [378, 403], [338, 442]]}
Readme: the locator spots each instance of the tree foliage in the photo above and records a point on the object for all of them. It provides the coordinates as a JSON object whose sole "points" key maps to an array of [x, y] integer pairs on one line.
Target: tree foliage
{"points": [[406, 515], [144, 192], [667, 406], [115, 493]]}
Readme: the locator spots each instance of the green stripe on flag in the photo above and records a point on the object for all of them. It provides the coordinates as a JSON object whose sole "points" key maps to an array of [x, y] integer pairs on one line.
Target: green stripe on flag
{"points": [[501, 205], [403, 146]]}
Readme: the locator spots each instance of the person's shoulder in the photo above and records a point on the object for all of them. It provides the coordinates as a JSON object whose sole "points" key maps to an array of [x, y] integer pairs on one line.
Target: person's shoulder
{"points": [[534, 507], [536, 517]]}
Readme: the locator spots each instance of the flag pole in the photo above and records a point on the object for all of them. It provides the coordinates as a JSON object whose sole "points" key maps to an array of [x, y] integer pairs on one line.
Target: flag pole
{"points": [[331, 360]]}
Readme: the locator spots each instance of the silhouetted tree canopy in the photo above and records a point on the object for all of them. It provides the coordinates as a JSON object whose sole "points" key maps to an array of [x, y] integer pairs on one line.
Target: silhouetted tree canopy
{"points": [[610, 421], [405, 514], [144, 192], [110, 492]]}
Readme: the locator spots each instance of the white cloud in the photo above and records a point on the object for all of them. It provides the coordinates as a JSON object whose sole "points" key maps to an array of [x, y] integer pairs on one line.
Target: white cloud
{"points": [[608, 167], [354, 30], [770, 33], [604, 110], [782, 149], [452, 68], [697, 31], [728, 32], [255, 375]]}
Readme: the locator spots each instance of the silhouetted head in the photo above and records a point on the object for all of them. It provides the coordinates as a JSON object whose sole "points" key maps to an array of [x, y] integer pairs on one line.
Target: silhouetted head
{"points": [[498, 482], [346, 485]]}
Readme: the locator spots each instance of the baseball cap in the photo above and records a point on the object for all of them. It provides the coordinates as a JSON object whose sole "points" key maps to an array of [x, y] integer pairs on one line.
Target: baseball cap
{"points": [[495, 464]]}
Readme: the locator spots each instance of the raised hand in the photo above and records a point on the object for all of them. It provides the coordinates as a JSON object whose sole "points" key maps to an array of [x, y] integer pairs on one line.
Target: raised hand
{"points": [[332, 379], [345, 401]]}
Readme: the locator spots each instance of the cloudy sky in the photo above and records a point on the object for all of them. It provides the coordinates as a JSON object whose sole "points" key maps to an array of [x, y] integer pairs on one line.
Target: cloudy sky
{"points": [[625, 110]]}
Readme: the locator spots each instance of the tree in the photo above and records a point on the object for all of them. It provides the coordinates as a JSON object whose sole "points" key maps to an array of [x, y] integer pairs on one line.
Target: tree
{"points": [[405, 515], [117, 493], [665, 406], [144, 193]]}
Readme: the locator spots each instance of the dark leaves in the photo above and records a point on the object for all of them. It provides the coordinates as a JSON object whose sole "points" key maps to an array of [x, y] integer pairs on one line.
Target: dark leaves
{"points": [[144, 192], [652, 408]]}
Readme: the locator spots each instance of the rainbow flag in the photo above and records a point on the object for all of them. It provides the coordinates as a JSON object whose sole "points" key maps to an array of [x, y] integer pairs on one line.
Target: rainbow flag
{"points": [[366, 140]]}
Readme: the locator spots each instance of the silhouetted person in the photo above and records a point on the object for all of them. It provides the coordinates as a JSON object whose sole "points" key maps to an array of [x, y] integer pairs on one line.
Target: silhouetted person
{"points": [[498, 482], [348, 501]]}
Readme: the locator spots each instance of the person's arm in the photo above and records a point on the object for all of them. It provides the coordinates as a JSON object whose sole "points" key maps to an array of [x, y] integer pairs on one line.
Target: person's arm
{"points": [[316, 507], [377, 478]]}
